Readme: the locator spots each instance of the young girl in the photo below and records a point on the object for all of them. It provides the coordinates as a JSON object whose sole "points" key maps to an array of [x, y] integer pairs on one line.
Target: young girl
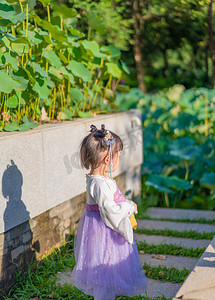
{"points": [[107, 259]]}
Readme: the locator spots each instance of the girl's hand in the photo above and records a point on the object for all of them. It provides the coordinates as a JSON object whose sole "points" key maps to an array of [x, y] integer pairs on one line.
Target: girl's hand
{"points": [[135, 205]]}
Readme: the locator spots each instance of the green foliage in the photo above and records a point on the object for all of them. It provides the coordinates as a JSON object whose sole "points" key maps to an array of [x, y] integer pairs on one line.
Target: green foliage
{"points": [[170, 249], [178, 132], [189, 234], [166, 274], [49, 69]]}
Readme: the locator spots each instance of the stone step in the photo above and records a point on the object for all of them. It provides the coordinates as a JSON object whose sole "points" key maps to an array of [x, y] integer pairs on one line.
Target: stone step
{"points": [[200, 284], [179, 226], [178, 262], [158, 239], [158, 288], [170, 213]]}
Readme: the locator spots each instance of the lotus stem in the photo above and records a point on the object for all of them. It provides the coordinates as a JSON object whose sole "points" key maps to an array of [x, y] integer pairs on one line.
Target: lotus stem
{"points": [[26, 33], [19, 105], [166, 199], [206, 116], [187, 170], [53, 111], [22, 11]]}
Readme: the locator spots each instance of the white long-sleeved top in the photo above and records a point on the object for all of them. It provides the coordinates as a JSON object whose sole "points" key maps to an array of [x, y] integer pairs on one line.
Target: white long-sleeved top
{"points": [[100, 191]]}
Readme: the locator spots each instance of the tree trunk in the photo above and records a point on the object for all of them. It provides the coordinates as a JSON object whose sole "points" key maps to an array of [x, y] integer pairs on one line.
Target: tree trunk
{"points": [[211, 41], [137, 48]]}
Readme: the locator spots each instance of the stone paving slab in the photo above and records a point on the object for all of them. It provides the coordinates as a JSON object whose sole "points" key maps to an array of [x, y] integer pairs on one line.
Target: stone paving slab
{"points": [[179, 226], [155, 287], [178, 262], [158, 239], [158, 288], [170, 213], [200, 284]]}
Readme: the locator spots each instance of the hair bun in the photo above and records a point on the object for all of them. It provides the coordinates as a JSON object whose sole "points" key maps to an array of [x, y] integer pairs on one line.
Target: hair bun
{"points": [[103, 130], [93, 128]]}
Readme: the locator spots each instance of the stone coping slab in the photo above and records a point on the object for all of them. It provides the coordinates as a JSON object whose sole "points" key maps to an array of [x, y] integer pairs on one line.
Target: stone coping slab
{"points": [[178, 213], [200, 284], [179, 226], [178, 262], [184, 242]]}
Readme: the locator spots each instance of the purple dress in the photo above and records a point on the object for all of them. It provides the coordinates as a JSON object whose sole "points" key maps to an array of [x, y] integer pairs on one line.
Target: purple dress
{"points": [[106, 264]]}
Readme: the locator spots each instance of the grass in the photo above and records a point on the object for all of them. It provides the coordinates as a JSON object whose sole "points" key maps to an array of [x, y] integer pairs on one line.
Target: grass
{"points": [[192, 234], [170, 249], [40, 281], [166, 274]]}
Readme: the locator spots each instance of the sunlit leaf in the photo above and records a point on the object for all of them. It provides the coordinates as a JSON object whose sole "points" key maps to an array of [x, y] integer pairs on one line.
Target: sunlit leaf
{"points": [[12, 102], [79, 70], [7, 84], [41, 88], [114, 70], [76, 94], [11, 60], [52, 58]]}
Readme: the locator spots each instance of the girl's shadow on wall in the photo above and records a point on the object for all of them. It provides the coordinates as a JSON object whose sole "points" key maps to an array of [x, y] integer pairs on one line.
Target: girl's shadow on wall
{"points": [[18, 250]]}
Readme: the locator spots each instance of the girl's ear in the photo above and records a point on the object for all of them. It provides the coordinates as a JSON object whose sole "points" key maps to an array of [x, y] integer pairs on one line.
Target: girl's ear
{"points": [[106, 159]]}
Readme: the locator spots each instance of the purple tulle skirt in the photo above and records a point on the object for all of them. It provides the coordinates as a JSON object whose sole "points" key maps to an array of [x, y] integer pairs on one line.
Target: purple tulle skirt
{"points": [[106, 265]]}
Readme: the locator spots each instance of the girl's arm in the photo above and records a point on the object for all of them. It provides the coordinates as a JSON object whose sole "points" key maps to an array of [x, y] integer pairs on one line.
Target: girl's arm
{"points": [[115, 216]]}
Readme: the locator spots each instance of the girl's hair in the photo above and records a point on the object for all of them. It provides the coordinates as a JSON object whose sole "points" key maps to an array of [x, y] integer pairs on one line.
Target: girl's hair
{"points": [[94, 146]]}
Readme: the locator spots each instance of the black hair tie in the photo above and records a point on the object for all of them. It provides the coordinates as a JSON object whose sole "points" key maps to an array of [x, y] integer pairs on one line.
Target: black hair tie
{"points": [[93, 128]]}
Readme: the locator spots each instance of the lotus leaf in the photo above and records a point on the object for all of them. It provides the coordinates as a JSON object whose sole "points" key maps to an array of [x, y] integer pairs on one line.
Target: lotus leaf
{"points": [[79, 70], [208, 179], [76, 94], [7, 84], [40, 87]]}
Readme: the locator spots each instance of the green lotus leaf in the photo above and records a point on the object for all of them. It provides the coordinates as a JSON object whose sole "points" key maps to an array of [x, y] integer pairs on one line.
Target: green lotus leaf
{"points": [[63, 58], [208, 179], [12, 102], [76, 94], [18, 17], [6, 11], [37, 68], [32, 36], [75, 32], [65, 11], [177, 183], [41, 88], [113, 50], [11, 60], [125, 67], [187, 153], [24, 127], [96, 22], [11, 127], [52, 58], [79, 70], [20, 48], [183, 120], [56, 33], [21, 77], [55, 73], [45, 3], [93, 47], [7, 84], [31, 78], [83, 114], [67, 74], [114, 70], [158, 182]]}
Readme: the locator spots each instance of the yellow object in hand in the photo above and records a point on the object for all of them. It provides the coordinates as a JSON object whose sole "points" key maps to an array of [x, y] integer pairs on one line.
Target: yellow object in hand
{"points": [[133, 222]]}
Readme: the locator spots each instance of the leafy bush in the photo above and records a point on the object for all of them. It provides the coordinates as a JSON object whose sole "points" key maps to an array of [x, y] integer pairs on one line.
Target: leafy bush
{"points": [[49, 69], [178, 139]]}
